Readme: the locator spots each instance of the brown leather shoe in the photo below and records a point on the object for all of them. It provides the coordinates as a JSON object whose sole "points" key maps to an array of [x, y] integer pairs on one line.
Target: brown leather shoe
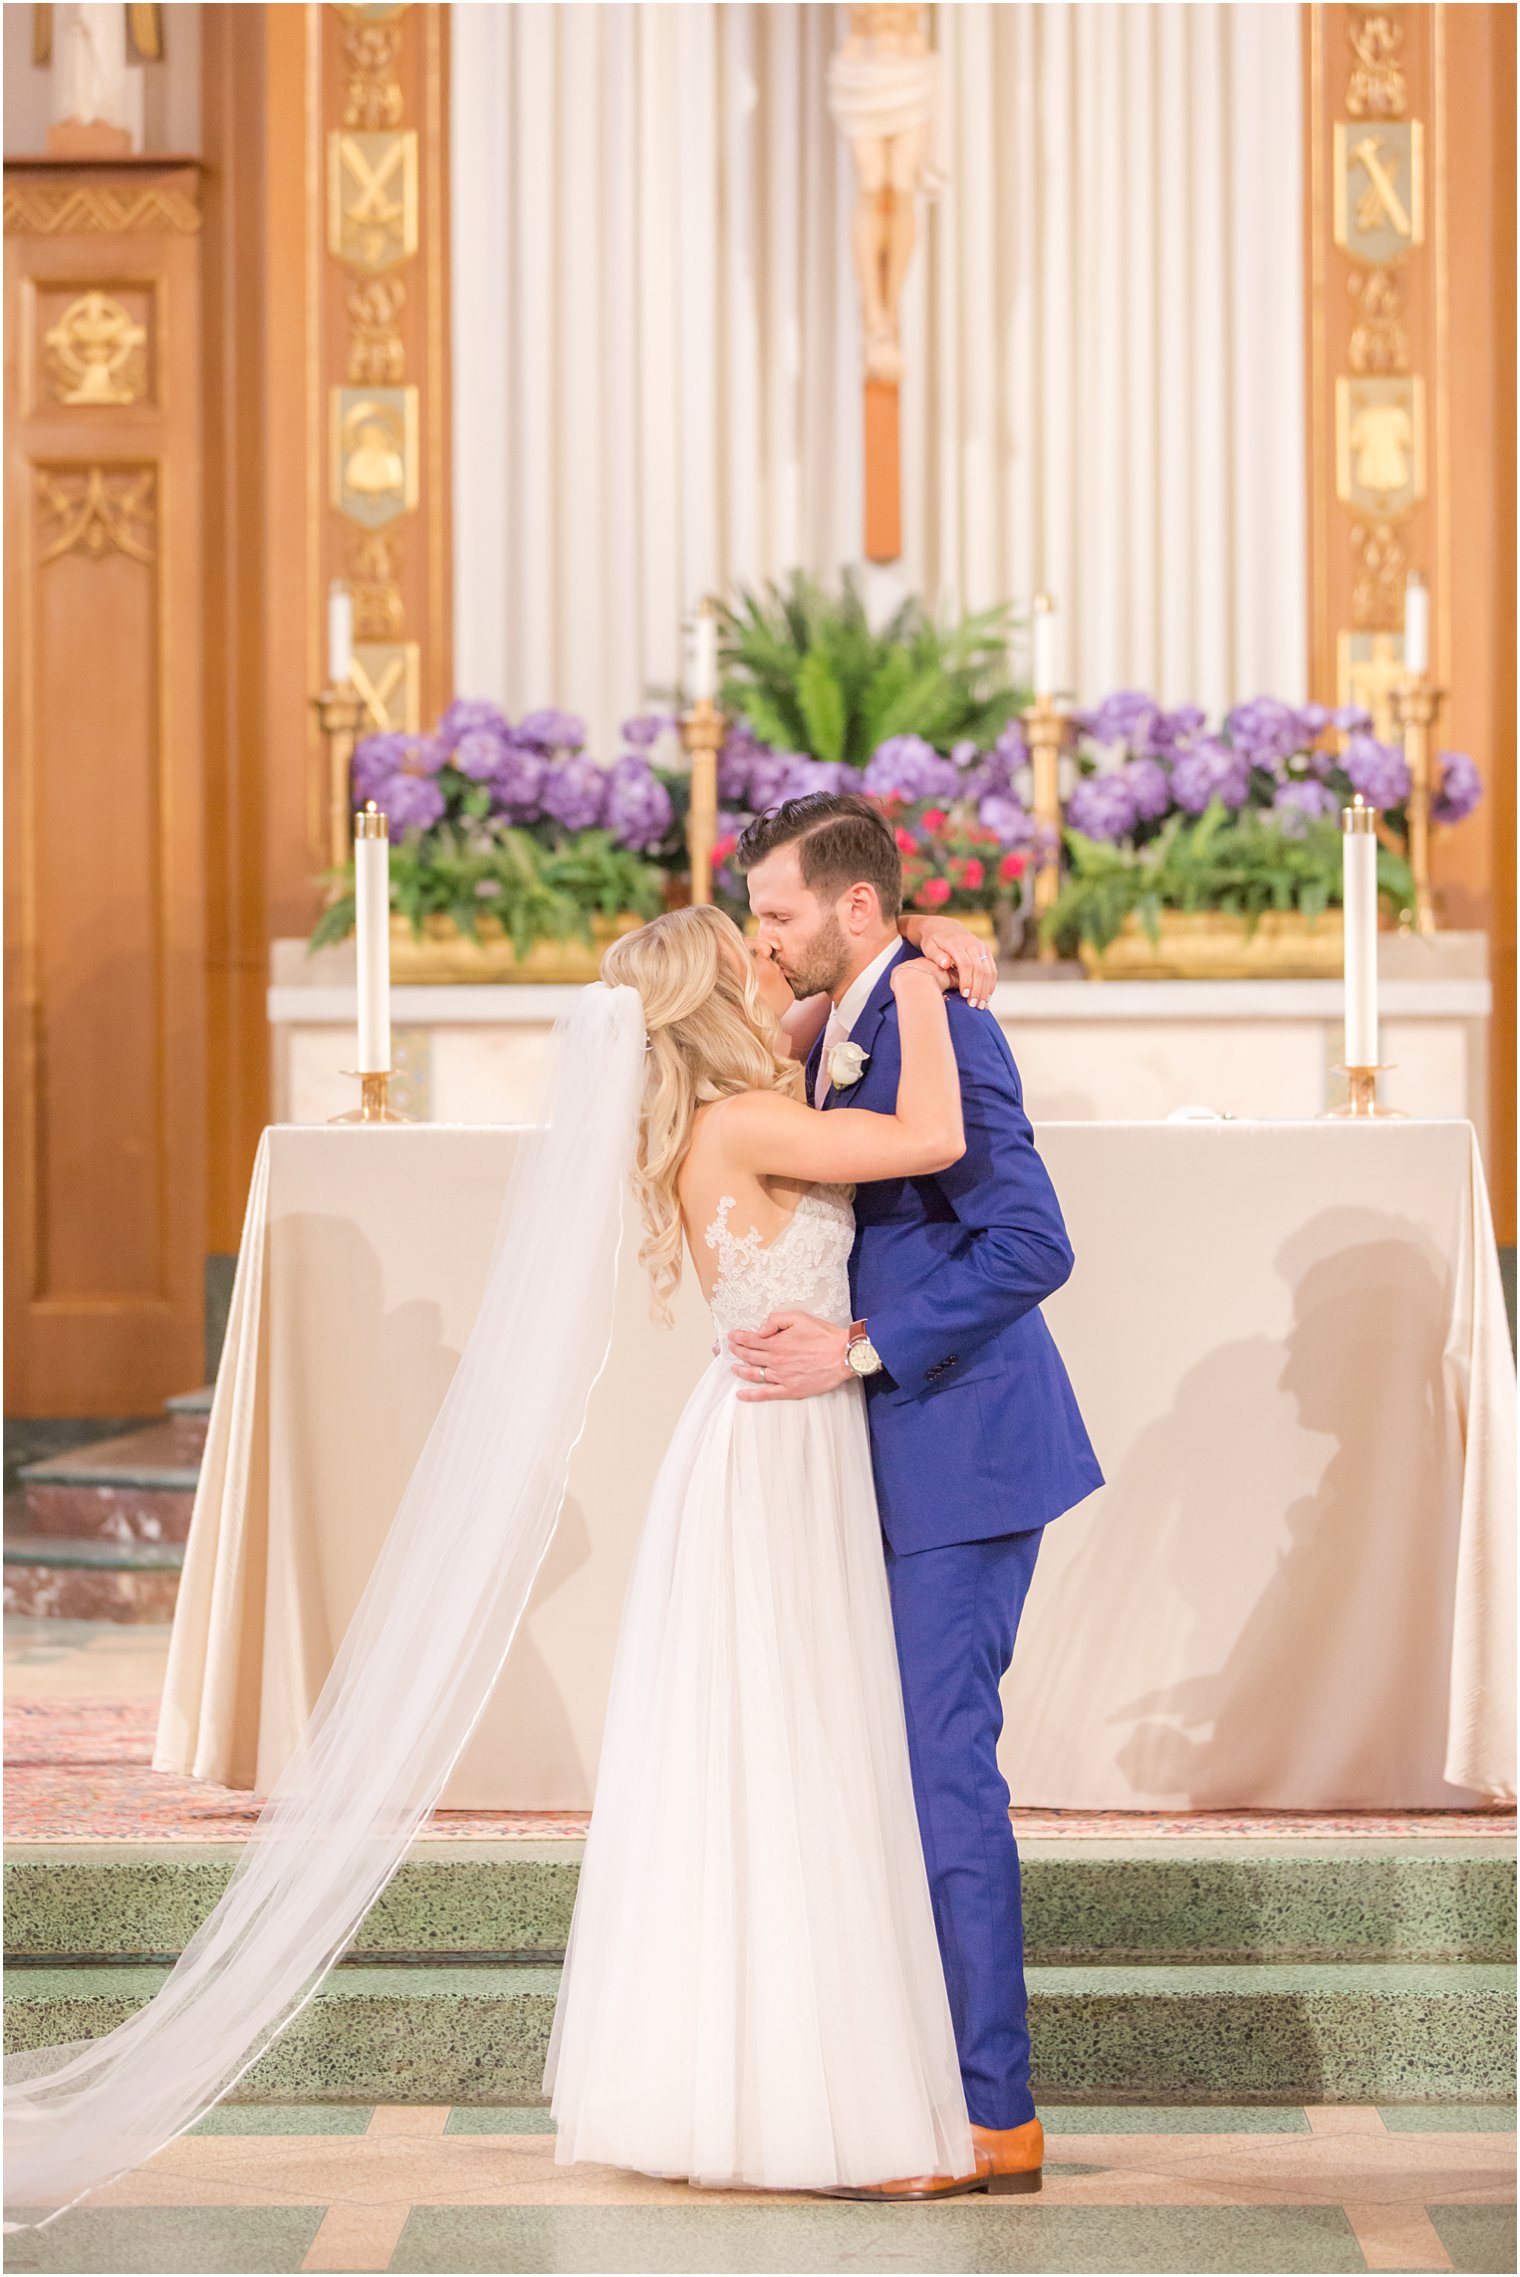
{"points": [[917, 2186], [1010, 2157]]}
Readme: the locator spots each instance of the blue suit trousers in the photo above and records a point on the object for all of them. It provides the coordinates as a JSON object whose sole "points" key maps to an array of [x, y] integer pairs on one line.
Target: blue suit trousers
{"points": [[956, 1612]]}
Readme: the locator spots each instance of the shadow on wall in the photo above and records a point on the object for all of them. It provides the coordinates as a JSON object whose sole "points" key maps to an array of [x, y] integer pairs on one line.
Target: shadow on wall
{"points": [[1262, 1617], [1352, 1603]]}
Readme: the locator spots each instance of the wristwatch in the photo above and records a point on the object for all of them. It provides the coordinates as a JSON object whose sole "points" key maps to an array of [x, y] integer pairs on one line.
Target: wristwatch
{"points": [[860, 1352]]}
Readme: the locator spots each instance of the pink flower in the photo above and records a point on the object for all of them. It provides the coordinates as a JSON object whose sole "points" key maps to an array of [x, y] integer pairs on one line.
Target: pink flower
{"points": [[934, 892], [973, 874], [1012, 866], [934, 818], [906, 842]]}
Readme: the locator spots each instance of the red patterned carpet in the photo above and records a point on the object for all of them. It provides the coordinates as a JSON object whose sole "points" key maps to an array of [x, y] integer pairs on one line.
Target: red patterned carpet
{"points": [[77, 1770]]}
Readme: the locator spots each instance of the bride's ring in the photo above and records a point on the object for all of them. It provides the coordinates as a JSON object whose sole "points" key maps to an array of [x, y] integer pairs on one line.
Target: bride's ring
{"points": [[762, 1372]]}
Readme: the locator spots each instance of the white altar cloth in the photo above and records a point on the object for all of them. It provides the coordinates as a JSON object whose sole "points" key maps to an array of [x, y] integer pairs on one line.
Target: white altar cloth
{"points": [[1295, 1591]]}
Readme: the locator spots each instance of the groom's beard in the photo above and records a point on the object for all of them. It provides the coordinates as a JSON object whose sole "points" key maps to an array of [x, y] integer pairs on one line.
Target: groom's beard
{"points": [[822, 965]]}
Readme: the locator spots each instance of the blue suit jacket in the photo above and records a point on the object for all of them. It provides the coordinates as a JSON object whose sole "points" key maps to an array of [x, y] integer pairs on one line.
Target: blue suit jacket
{"points": [[975, 1429]]}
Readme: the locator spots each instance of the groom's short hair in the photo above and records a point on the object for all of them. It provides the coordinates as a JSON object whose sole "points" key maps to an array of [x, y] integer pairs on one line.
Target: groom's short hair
{"points": [[841, 840]]}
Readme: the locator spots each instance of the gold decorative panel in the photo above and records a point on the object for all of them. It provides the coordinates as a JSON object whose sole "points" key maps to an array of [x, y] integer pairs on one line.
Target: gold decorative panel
{"points": [[374, 453], [1379, 189], [388, 677], [95, 511], [1380, 443], [372, 198], [95, 346], [66, 209], [1370, 667]]}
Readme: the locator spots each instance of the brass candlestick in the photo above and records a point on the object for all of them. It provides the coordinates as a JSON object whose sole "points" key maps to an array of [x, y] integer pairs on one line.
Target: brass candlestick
{"points": [[1361, 1094], [1045, 733], [374, 1098], [1415, 705], [340, 710], [702, 731]]}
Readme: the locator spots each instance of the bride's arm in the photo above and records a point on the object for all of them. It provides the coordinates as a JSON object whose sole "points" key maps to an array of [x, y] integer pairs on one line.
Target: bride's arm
{"points": [[777, 1137]]}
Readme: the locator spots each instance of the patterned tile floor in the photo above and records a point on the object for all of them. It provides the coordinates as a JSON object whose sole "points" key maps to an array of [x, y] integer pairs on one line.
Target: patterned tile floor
{"points": [[408, 2188]]}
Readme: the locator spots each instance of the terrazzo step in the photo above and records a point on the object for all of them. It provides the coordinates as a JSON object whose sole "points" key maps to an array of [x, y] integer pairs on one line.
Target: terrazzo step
{"points": [[72, 1578], [1140, 1902], [139, 1487], [189, 1415], [1372, 2033]]}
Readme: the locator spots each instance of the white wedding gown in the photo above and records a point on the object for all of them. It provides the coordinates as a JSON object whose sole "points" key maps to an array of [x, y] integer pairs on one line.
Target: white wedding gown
{"points": [[752, 1991]]}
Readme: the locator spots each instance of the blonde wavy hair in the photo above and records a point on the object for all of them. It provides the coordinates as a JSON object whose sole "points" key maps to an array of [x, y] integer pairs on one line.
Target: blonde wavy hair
{"points": [[709, 1036]]}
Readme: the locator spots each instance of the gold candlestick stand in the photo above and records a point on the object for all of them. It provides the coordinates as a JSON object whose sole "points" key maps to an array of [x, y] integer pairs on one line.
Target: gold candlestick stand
{"points": [[374, 1098], [702, 731], [1045, 733], [1415, 706], [340, 709], [1361, 1094]]}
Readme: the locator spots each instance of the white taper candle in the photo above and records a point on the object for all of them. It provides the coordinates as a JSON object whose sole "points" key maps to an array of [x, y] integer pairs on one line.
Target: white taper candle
{"points": [[704, 655], [1416, 625], [1359, 884], [372, 902], [340, 634], [1044, 645]]}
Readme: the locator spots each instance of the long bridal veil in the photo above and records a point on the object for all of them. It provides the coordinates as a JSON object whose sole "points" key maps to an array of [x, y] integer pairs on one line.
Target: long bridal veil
{"points": [[413, 1672]]}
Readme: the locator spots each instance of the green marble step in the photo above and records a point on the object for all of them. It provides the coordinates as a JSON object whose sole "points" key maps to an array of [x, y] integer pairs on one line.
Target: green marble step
{"points": [[88, 1553], [1430, 1899], [1369, 2033]]}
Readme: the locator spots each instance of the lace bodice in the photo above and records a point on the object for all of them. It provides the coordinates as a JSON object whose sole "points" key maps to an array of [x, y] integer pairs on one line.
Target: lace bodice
{"points": [[805, 1268]]}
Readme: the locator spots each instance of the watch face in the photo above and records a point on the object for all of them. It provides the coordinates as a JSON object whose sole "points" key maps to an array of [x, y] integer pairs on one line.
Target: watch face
{"points": [[864, 1357]]}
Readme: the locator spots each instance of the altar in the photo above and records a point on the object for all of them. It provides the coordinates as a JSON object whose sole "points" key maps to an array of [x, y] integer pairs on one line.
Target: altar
{"points": [[1295, 1590], [1087, 1051]]}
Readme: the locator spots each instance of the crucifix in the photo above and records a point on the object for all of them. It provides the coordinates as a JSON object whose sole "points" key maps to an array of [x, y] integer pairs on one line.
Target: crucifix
{"points": [[884, 97]]}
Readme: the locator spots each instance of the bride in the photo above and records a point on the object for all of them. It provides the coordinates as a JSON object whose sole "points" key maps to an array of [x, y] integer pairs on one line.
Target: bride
{"points": [[754, 1991]]}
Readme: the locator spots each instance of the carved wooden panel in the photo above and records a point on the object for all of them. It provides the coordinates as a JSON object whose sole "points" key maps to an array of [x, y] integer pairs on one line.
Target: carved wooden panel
{"points": [[105, 1049]]}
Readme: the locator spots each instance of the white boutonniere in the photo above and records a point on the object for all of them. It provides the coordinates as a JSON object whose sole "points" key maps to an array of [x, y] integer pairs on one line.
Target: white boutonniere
{"points": [[847, 1063]]}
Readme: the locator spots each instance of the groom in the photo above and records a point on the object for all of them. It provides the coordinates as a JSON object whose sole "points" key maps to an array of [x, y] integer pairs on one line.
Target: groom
{"points": [[976, 1439]]}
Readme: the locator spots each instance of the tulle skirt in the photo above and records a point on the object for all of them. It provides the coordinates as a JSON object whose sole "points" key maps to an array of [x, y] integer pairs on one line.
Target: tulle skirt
{"points": [[752, 1990]]}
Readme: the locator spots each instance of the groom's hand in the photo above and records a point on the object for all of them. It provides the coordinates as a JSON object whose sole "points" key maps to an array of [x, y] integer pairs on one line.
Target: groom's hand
{"points": [[793, 1356]]}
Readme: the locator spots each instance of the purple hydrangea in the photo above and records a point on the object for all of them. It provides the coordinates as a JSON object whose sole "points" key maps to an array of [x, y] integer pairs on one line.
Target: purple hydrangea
{"points": [[1102, 806], [1351, 719], [1461, 788], [1150, 786], [733, 761], [1127, 716], [907, 767], [1295, 804], [645, 728], [807, 777], [574, 792], [1208, 771], [552, 730], [1001, 812], [397, 772], [768, 775], [1266, 732], [638, 804], [466, 716], [518, 781], [478, 753], [1378, 770], [413, 802]]}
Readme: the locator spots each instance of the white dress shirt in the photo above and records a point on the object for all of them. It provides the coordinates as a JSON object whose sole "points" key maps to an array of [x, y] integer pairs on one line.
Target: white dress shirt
{"points": [[848, 1010]]}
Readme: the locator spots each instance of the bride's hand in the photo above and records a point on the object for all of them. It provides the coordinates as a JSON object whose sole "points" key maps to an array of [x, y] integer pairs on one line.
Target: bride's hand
{"points": [[955, 950], [772, 983], [929, 975]]}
